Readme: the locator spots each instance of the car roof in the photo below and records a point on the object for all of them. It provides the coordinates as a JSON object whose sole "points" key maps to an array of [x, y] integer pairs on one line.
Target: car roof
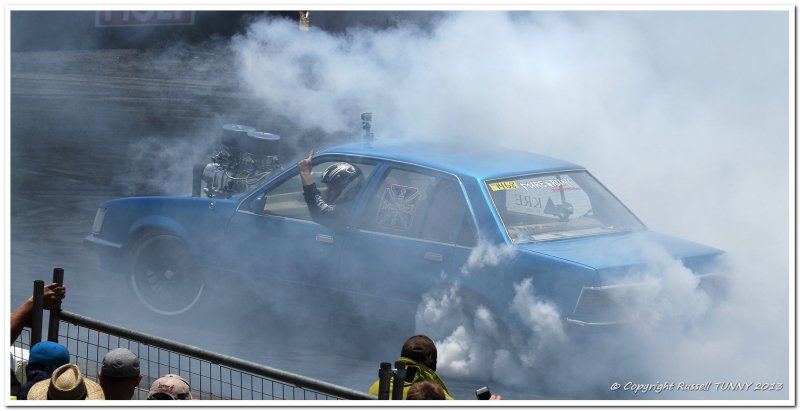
{"points": [[479, 161]]}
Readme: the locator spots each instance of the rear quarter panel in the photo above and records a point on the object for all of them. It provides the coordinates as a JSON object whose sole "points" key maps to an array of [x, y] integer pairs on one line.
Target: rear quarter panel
{"points": [[553, 282]]}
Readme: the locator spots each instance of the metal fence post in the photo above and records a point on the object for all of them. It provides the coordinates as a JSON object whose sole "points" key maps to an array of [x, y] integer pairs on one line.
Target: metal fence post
{"points": [[55, 313], [36, 315]]}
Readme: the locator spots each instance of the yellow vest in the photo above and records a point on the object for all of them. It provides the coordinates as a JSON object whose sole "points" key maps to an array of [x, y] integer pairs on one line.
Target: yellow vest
{"points": [[423, 373]]}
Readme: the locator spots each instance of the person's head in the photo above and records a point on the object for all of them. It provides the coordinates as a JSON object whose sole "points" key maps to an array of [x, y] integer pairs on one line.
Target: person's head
{"points": [[47, 354], [66, 383], [425, 390], [120, 374], [343, 181], [170, 387], [43, 359], [421, 349]]}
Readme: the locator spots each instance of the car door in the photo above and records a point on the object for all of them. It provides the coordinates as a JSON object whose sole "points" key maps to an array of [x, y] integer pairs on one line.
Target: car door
{"points": [[272, 235], [403, 242]]}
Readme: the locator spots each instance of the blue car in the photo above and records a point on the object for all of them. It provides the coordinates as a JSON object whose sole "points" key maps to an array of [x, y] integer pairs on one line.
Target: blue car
{"points": [[426, 217]]}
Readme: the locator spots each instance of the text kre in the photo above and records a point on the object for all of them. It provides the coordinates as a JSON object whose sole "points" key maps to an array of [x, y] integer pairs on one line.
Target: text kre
{"points": [[527, 201]]}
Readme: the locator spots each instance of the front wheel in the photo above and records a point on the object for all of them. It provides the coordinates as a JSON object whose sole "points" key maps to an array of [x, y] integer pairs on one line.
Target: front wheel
{"points": [[163, 275]]}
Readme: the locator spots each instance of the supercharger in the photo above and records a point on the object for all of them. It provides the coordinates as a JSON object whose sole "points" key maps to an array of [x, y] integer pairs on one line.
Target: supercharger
{"points": [[244, 159]]}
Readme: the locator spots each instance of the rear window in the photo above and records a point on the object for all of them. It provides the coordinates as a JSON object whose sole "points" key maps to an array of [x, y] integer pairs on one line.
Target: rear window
{"points": [[541, 207]]}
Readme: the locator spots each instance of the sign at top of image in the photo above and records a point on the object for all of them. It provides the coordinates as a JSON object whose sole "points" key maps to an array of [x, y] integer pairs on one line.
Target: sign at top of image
{"points": [[117, 18]]}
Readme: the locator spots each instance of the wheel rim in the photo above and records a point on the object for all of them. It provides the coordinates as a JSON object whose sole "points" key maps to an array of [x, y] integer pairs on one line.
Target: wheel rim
{"points": [[162, 276]]}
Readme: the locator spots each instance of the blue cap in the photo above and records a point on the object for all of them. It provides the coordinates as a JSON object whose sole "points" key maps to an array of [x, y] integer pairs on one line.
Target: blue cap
{"points": [[49, 353]]}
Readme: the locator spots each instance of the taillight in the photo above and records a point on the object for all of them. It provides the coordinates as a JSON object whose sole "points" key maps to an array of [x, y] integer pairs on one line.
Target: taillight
{"points": [[604, 301]]}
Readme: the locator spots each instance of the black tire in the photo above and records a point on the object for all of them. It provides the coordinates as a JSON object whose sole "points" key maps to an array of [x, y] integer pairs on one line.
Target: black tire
{"points": [[163, 276]]}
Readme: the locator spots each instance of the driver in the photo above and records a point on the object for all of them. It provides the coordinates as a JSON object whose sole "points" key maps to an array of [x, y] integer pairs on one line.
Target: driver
{"points": [[343, 181]]}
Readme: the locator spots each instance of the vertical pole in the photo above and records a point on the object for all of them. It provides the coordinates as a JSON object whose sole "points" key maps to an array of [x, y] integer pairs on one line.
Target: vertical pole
{"points": [[398, 386], [384, 377], [55, 313], [36, 315], [197, 179]]}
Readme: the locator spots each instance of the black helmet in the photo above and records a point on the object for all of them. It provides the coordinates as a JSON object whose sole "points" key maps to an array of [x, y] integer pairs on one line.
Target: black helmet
{"points": [[345, 177]]}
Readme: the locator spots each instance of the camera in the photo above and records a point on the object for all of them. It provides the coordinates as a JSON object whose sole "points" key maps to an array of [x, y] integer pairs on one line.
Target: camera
{"points": [[483, 393]]}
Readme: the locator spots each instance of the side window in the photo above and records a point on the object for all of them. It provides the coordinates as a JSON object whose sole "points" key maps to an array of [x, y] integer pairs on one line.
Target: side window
{"points": [[467, 236], [447, 210], [400, 203], [286, 199], [419, 205]]}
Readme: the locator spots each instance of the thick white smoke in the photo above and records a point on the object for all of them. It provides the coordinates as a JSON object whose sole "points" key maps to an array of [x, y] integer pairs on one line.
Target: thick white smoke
{"points": [[684, 115], [485, 254], [162, 166]]}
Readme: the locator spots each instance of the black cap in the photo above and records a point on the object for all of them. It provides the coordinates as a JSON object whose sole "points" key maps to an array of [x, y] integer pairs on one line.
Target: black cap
{"points": [[420, 348]]}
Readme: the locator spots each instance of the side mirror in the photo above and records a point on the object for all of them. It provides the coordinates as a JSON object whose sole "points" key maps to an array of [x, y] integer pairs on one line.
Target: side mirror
{"points": [[257, 204]]}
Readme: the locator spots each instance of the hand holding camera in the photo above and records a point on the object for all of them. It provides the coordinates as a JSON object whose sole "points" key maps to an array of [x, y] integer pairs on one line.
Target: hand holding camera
{"points": [[484, 393]]}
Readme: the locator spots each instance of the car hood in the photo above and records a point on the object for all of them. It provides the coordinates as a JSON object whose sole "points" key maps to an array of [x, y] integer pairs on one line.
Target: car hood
{"points": [[615, 255]]}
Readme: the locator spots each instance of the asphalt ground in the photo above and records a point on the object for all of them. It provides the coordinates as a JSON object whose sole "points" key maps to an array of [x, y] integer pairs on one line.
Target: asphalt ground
{"points": [[79, 123], [88, 126]]}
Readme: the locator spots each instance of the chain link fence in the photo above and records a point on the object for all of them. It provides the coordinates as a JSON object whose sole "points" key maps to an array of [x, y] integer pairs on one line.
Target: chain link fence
{"points": [[212, 376]]}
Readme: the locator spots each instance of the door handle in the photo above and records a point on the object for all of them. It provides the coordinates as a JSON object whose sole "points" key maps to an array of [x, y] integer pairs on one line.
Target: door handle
{"points": [[325, 239], [435, 257]]}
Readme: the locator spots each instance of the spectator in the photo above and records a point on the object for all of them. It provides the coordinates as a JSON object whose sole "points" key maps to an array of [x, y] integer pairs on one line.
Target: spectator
{"points": [[170, 387], [425, 390], [66, 383], [43, 359], [16, 386], [343, 181], [19, 359], [419, 356], [120, 374], [53, 294]]}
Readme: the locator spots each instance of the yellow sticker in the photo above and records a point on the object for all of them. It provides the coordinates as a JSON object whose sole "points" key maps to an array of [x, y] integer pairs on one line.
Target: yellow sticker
{"points": [[505, 185]]}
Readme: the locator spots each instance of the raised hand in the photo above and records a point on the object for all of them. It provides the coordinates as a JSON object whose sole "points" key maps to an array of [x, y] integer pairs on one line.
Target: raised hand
{"points": [[305, 168]]}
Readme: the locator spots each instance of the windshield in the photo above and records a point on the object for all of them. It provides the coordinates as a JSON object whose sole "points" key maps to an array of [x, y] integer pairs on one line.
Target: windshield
{"points": [[541, 207]]}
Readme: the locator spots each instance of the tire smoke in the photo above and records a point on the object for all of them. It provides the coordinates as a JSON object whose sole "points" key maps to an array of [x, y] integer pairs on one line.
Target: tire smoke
{"points": [[665, 117]]}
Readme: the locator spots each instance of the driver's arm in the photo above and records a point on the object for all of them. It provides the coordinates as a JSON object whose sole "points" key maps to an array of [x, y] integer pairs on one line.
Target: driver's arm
{"points": [[305, 169]]}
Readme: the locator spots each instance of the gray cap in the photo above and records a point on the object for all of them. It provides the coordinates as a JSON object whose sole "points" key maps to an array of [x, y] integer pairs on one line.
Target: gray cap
{"points": [[120, 363]]}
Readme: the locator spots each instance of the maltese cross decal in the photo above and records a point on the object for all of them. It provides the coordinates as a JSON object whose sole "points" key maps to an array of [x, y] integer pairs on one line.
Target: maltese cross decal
{"points": [[398, 207]]}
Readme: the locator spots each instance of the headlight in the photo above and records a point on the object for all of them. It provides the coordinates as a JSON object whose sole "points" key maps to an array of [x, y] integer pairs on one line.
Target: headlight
{"points": [[98, 220]]}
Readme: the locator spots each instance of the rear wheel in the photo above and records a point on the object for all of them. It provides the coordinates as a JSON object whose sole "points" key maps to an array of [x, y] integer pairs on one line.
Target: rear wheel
{"points": [[163, 275]]}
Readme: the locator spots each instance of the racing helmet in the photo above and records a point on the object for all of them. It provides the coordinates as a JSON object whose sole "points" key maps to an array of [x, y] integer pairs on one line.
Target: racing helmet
{"points": [[343, 180]]}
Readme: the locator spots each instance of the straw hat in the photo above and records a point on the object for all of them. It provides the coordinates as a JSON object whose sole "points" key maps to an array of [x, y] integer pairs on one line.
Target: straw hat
{"points": [[66, 383]]}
